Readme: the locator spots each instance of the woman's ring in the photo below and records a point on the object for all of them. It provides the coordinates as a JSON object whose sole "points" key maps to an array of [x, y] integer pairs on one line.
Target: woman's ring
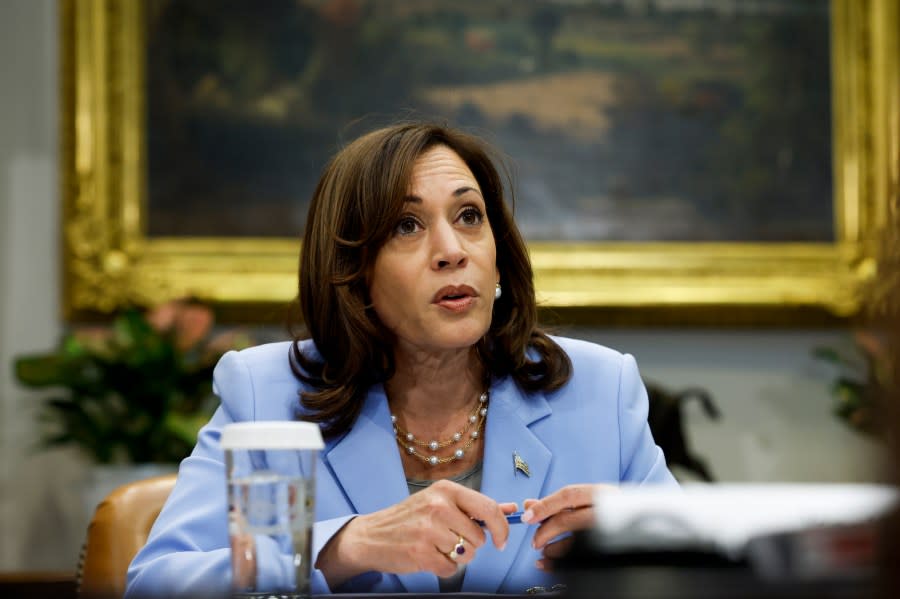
{"points": [[458, 549]]}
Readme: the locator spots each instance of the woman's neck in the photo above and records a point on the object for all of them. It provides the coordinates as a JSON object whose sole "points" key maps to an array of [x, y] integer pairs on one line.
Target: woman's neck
{"points": [[432, 386], [433, 396]]}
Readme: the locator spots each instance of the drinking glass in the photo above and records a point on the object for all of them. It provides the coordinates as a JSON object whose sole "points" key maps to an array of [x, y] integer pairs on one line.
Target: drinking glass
{"points": [[270, 472]]}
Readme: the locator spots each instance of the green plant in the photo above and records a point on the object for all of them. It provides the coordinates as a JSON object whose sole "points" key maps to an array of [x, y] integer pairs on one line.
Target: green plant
{"points": [[867, 389], [135, 391], [863, 375]]}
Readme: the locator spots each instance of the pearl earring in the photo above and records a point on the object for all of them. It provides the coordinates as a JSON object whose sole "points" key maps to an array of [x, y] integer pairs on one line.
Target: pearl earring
{"points": [[497, 292]]}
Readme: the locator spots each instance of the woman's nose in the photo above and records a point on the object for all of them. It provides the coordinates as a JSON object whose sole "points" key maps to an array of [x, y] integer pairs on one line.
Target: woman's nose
{"points": [[448, 249]]}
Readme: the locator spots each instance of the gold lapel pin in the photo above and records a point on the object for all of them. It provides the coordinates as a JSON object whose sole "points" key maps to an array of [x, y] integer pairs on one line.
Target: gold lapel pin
{"points": [[520, 465]]}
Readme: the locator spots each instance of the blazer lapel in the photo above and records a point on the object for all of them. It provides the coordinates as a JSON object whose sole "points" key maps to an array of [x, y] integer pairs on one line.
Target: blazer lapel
{"points": [[366, 464], [510, 414]]}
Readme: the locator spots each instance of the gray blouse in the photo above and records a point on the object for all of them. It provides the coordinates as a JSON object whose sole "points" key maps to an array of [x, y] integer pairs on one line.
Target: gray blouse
{"points": [[471, 479]]}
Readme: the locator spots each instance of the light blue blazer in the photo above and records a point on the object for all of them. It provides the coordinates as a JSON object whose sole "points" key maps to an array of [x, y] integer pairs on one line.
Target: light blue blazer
{"points": [[593, 430]]}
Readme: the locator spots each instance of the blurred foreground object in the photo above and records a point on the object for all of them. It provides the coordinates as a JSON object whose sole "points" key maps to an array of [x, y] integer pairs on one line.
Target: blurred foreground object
{"points": [[733, 541]]}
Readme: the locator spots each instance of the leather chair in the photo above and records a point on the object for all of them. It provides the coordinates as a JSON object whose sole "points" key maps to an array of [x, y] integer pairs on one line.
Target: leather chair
{"points": [[118, 529]]}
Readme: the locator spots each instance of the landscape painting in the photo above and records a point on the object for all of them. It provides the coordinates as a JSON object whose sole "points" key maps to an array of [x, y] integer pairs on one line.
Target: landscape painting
{"points": [[621, 120]]}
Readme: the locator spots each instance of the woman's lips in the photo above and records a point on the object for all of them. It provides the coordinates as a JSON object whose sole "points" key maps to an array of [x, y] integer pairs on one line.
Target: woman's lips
{"points": [[460, 304], [456, 298]]}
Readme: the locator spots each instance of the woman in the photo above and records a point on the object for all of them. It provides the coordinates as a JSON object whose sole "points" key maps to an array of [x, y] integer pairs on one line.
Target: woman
{"points": [[440, 399]]}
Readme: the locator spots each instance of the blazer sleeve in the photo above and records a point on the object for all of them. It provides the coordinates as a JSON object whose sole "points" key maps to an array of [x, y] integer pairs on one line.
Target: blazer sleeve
{"points": [[187, 553], [640, 459]]}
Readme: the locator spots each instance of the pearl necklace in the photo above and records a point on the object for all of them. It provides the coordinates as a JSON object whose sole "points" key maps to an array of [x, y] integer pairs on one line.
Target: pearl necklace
{"points": [[407, 441]]}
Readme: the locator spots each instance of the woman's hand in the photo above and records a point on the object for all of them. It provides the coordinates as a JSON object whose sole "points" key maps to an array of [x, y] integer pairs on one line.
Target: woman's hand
{"points": [[243, 552], [417, 534], [561, 513]]}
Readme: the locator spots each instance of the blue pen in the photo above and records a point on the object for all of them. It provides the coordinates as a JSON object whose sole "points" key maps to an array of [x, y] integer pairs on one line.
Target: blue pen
{"points": [[514, 518]]}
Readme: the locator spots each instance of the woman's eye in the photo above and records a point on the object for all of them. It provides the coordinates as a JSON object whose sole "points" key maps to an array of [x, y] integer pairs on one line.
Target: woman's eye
{"points": [[471, 216], [406, 226]]}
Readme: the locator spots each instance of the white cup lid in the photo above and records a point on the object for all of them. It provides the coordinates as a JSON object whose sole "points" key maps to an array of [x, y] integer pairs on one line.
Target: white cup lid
{"points": [[276, 434]]}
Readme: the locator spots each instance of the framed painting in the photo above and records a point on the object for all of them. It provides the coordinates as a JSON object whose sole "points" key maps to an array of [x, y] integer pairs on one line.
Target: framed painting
{"points": [[715, 162]]}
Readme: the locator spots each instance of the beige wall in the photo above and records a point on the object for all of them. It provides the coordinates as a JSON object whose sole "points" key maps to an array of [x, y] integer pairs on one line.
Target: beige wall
{"points": [[35, 514], [774, 398]]}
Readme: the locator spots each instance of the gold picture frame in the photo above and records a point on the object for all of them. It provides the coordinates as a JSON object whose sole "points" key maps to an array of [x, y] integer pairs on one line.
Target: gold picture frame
{"points": [[109, 261]]}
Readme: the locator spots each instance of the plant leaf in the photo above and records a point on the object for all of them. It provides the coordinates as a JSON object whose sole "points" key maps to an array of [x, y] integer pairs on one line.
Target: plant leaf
{"points": [[40, 370]]}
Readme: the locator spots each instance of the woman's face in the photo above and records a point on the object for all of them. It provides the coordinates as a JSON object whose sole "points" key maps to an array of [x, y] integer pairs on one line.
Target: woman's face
{"points": [[433, 281]]}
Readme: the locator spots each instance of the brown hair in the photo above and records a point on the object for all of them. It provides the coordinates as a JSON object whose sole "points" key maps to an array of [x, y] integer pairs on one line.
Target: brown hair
{"points": [[353, 211]]}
